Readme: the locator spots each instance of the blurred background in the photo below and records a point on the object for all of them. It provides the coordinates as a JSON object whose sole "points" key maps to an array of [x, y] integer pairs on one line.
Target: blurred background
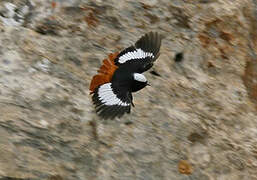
{"points": [[197, 121]]}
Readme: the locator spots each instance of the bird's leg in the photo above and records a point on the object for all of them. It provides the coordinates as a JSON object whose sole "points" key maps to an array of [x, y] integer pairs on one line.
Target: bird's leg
{"points": [[132, 104], [131, 99], [129, 121]]}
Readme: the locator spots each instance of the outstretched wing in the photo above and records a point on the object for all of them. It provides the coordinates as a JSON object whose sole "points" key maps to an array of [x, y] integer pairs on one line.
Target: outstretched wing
{"points": [[112, 101], [141, 56]]}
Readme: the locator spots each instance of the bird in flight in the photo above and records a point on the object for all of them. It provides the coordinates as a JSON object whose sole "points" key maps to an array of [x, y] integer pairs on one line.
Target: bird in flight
{"points": [[121, 75]]}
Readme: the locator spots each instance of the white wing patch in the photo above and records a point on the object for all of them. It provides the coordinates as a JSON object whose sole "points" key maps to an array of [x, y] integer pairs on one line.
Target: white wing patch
{"points": [[137, 54], [107, 96], [139, 77]]}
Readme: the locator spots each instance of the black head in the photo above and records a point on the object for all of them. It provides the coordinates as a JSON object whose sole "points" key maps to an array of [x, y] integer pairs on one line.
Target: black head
{"points": [[139, 82]]}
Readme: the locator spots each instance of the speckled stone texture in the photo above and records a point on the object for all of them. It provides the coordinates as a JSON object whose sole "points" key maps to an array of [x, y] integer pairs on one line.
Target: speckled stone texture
{"points": [[201, 108]]}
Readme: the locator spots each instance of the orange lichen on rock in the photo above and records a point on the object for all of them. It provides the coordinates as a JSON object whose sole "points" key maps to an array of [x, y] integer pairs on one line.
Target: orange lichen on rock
{"points": [[53, 4], [105, 72], [184, 167], [91, 20]]}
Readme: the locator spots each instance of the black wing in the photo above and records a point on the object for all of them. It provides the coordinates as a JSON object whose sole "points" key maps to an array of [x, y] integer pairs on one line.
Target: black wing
{"points": [[141, 56], [112, 101]]}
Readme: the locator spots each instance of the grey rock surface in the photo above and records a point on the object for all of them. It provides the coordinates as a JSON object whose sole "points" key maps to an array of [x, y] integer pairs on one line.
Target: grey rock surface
{"points": [[201, 109]]}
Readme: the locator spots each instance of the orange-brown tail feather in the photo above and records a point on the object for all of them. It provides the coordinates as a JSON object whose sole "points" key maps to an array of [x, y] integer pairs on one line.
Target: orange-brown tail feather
{"points": [[105, 73]]}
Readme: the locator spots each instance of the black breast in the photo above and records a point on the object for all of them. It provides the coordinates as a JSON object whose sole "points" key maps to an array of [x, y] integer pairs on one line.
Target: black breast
{"points": [[123, 77]]}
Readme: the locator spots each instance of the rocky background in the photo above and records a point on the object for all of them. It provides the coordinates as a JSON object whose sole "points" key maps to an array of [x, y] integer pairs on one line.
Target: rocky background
{"points": [[198, 120]]}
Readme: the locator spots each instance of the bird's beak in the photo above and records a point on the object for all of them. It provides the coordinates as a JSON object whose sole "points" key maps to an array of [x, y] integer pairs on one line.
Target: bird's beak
{"points": [[148, 84]]}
